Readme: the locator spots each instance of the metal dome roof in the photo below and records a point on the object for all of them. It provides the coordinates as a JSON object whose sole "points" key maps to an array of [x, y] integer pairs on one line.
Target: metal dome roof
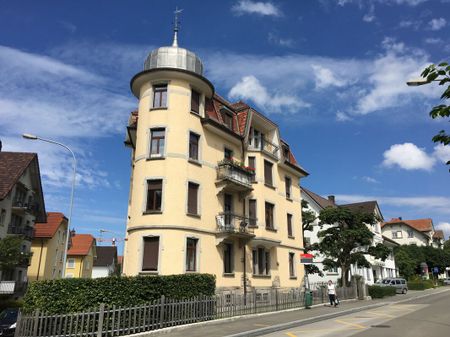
{"points": [[174, 57]]}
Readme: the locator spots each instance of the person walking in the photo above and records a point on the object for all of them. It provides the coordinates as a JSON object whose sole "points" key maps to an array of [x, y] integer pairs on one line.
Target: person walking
{"points": [[332, 293]]}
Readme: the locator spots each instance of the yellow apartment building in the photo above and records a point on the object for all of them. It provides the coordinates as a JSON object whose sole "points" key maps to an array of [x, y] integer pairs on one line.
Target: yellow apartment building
{"points": [[48, 248], [81, 256], [213, 188]]}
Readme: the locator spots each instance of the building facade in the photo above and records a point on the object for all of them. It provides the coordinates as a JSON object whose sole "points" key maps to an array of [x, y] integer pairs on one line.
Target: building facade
{"points": [[405, 232], [106, 263], [81, 256], [21, 205], [213, 187], [48, 248]]}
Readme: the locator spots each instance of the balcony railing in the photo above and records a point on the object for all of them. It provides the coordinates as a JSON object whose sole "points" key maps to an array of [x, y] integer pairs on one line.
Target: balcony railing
{"points": [[26, 231], [229, 170], [266, 146], [232, 223], [21, 206], [7, 287]]}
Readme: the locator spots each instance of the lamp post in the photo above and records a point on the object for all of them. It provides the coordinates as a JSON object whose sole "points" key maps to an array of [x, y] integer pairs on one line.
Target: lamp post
{"points": [[74, 165]]}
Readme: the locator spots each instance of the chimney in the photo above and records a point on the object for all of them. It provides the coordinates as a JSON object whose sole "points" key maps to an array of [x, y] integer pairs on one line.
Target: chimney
{"points": [[332, 199], [400, 218]]}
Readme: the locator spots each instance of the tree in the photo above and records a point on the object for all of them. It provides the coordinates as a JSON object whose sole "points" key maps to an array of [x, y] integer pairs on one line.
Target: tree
{"points": [[11, 254], [347, 240], [308, 218], [441, 74]]}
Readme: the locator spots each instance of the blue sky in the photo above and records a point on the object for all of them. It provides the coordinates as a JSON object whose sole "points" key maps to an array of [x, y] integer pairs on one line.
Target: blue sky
{"points": [[331, 73]]}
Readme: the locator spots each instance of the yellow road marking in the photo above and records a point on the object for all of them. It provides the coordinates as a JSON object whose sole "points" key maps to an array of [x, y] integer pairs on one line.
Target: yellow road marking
{"points": [[380, 314], [355, 325], [290, 334]]}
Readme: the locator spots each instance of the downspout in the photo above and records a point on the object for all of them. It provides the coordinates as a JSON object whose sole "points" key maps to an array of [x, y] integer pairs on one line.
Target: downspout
{"points": [[81, 268], [40, 258]]}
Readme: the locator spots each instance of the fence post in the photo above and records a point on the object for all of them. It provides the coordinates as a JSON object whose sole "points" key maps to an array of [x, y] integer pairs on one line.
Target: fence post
{"points": [[254, 299], [35, 322], [101, 314], [161, 317], [276, 299], [18, 325]]}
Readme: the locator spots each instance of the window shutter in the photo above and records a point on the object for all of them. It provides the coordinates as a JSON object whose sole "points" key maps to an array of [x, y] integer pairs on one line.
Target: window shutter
{"points": [[268, 172], [195, 101], [155, 184], [151, 252], [252, 211], [192, 198]]}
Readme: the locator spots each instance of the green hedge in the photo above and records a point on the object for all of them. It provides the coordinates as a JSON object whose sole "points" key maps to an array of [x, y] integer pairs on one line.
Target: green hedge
{"points": [[380, 292], [73, 295], [420, 285]]}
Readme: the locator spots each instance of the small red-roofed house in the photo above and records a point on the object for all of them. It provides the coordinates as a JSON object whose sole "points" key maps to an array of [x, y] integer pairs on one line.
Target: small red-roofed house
{"points": [[81, 256], [406, 232]]}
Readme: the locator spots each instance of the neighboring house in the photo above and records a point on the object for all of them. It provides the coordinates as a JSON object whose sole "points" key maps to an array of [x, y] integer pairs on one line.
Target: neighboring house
{"points": [[214, 188], [81, 256], [48, 247], [379, 269], [21, 205], [106, 262], [438, 239], [406, 232]]}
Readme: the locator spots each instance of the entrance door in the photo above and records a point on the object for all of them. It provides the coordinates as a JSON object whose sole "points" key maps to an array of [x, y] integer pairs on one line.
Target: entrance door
{"points": [[228, 209]]}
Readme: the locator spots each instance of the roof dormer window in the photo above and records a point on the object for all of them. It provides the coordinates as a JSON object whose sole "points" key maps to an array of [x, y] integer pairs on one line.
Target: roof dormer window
{"points": [[227, 118]]}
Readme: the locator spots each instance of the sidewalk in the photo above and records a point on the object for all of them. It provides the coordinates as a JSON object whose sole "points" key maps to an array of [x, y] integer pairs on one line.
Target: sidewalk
{"points": [[256, 325]]}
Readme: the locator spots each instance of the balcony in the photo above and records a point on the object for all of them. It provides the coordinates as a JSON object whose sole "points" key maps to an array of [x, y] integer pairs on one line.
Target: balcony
{"points": [[20, 207], [7, 287], [233, 225], [266, 146], [26, 231], [234, 177]]}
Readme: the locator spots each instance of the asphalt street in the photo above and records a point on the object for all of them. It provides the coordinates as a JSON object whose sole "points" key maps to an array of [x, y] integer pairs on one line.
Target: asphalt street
{"points": [[424, 317]]}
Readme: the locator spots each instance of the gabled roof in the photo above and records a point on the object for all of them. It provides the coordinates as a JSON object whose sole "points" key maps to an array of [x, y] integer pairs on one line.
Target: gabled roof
{"points": [[48, 229], [421, 225], [439, 234], [81, 244], [106, 256], [322, 202], [12, 166], [362, 207]]}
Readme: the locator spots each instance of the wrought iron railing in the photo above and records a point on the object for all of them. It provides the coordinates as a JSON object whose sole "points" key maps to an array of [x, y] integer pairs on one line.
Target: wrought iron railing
{"points": [[26, 231], [228, 222], [231, 171]]}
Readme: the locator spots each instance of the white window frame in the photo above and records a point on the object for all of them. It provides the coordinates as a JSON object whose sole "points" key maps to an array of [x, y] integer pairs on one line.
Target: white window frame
{"points": [[70, 263], [149, 145]]}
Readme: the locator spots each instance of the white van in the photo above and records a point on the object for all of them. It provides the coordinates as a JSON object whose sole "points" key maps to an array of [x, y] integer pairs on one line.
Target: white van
{"points": [[400, 284]]}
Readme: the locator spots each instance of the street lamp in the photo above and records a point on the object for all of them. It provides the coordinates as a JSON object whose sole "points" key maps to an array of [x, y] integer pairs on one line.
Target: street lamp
{"points": [[74, 165]]}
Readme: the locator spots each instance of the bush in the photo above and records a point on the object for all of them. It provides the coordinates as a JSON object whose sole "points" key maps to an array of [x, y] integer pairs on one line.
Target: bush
{"points": [[380, 292], [420, 285], [74, 295]]}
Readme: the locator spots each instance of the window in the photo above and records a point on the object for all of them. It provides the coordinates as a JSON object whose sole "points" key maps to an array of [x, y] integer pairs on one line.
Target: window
{"points": [[70, 263], [255, 139], [252, 212], [228, 154], [291, 265], [193, 146], [252, 166], [289, 225], [227, 118], [191, 254], [20, 196], [268, 173], [87, 265], [269, 215], [154, 195], [157, 141], [2, 217], [228, 258], [288, 183], [193, 198], [397, 235], [261, 261], [410, 233], [195, 102], [151, 253], [16, 221], [160, 96]]}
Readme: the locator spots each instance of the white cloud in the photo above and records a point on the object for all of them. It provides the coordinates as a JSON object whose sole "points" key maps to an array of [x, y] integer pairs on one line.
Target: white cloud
{"points": [[442, 153], [253, 7], [408, 157], [342, 117], [370, 180], [326, 78], [437, 24], [415, 24], [406, 2], [432, 40], [370, 16], [275, 39], [250, 88]]}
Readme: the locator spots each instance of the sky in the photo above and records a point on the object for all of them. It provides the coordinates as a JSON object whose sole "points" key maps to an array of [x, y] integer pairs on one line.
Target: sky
{"points": [[331, 73]]}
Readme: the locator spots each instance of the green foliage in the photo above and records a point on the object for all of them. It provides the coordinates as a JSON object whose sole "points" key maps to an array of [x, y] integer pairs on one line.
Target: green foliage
{"points": [[11, 254], [420, 285], [308, 218], [380, 292], [74, 295], [347, 239], [440, 73]]}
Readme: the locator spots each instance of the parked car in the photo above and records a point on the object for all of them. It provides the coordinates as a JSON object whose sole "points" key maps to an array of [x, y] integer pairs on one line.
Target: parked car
{"points": [[8, 319], [400, 284], [447, 281]]}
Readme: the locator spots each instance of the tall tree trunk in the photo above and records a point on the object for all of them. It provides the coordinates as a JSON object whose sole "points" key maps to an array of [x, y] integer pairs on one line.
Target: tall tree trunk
{"points": [[344, 275]]}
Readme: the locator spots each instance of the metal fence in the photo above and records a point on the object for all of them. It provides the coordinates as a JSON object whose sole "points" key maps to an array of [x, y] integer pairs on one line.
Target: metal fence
{"points": [[108, 321]]}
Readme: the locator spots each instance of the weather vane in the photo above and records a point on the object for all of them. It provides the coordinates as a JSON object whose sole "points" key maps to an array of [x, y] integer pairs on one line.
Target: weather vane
{"points": [[176, 27]]}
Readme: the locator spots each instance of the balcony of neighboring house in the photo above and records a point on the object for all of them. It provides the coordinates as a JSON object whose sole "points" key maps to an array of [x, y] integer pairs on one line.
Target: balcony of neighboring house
{"points": [[234, 176], [20, 207], [230, 225], [7, 287], [26, 231]]}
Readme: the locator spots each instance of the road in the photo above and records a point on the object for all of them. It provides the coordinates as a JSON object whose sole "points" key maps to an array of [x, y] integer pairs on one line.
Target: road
{"points": [[424, 317]]}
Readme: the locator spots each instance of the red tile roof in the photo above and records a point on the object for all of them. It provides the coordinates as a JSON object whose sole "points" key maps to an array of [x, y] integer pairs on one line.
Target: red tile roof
{"points": [[421, 225], [12, 166], [81, 243], [49, 228], [439, 234]]}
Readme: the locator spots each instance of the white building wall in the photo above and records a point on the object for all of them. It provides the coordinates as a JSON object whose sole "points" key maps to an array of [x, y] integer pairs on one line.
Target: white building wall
{"points": [[100, 272], [405, 235]]}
